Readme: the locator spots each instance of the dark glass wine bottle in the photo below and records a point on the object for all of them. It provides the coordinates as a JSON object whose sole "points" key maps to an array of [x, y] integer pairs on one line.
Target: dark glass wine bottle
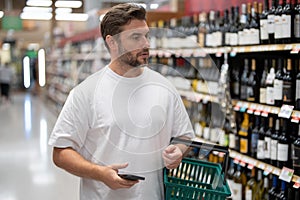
{"points": [[271, 16], [274, 189], [282, 195], [283, 146], [268, 134], [244, 81], [278, 23], [253, 84], [278, 83], [254, 137], [264, 35], [260, 155], [297, 97], [263, 84], [296, 154], [287, 25], [274, 143], [287, 87], [297, 22]]}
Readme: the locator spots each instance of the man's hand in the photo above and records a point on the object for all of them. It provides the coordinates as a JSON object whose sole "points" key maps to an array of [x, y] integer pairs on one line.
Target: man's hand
{"points": [[172, 156], [111, 178]]}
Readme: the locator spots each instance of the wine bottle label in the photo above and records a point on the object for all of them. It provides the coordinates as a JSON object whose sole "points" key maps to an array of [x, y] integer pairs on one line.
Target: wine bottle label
{"points": [[287, 91], [267, 147], [198, 129], [264, 35], [244, 92], [206, 133], [262, 95], [254, 141], [250, 94], [282, 152], [248, 194], [286, 25], [227, 38], [271, 24], [231, 141], [237, 190], [270, 96], [201, 39], [296, 158], [297, 89], [278, 84], [234, 39], [277, 27], [297, 26], [260, 149], [214, 134], [217, 38], [274, 149], [244, 145]]}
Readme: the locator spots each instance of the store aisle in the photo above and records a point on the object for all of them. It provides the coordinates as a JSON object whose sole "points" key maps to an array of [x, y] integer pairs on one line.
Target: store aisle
{"points": [[26, 168]]}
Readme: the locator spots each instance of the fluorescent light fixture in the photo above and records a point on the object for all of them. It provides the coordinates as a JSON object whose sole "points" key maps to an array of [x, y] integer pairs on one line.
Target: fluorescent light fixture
{"points": [[72, 17], [68, 4], [63, 10], [37, 9], [42, 3], [26, 72], [1, 14], [36, 16], [42, 67], [154, 5]]}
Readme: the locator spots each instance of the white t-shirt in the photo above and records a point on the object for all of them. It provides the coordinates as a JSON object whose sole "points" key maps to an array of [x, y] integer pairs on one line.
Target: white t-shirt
{"points": [[111, 119]]}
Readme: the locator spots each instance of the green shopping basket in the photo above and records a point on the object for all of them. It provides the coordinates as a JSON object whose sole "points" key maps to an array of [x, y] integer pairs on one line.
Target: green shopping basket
{"points": [[196, 179]]}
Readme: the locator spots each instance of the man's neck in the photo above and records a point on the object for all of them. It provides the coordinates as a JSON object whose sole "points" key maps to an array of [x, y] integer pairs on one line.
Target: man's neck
{"points": [[125, 70]]}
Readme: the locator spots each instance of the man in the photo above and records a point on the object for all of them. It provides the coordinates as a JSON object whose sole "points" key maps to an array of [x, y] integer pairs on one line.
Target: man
{"points": [[121, 119]]}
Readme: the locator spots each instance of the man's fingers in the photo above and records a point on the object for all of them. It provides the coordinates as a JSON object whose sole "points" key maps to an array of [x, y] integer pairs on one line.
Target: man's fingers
{"points": [[171, 148]]}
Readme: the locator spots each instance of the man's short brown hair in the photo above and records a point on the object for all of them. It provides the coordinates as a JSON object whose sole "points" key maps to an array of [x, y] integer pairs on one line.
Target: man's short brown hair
{"points": [[119, 16]]}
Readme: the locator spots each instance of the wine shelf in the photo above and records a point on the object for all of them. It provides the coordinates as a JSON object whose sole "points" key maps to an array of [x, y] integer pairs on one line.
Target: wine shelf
{"points": [[252, 162], [187, 52]]}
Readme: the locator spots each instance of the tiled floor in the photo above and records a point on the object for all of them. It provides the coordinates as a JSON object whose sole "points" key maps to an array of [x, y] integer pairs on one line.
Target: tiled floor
{"points": [[26, 168]]}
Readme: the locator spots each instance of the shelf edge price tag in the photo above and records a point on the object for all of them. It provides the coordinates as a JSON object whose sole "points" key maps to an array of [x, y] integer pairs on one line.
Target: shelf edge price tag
{"points": [[268, 170], [286, 111], [286, 174], [297, 183]]}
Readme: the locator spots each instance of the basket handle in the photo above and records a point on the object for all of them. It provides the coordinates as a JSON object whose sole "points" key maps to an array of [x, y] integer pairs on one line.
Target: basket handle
{"points": [[207, 146]]}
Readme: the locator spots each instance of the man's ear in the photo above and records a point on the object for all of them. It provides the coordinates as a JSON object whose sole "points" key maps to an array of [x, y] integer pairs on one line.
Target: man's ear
{"points": [[111, 43]]}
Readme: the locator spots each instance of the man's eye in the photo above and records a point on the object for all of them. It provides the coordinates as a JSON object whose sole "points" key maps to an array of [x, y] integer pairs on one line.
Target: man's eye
{"points": [[136, 37]]}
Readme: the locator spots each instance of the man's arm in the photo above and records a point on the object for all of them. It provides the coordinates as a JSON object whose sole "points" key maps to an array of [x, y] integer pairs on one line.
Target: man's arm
{"points": [[71, 161]]}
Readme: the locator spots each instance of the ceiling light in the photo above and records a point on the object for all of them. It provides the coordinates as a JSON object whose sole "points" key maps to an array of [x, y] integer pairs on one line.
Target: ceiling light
{"points": [[68, 4], [36, 16], [37, 9], [43, 3], [154, 5], [72, 17], [63, 10]]}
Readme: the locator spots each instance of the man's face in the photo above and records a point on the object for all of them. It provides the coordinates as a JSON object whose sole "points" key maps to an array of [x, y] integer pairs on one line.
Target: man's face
{"points": [[133, 43]]}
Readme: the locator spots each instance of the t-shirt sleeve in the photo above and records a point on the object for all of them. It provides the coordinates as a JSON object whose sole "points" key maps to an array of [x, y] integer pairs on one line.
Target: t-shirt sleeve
{"points": [[73, 122], [182, 125]]}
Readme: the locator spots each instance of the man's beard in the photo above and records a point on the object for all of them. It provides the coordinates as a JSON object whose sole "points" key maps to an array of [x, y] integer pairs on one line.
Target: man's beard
{"points": [[127, 57]]}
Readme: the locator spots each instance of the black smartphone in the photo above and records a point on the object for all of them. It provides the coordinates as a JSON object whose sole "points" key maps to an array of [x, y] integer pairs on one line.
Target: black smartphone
{"points": [[131, 177]]}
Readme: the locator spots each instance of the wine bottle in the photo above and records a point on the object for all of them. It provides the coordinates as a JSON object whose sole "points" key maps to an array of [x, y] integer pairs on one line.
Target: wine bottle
{"points": [[243, 134], [263, 84], [254, 25], [240, 180], [274, 143], [251, 186], [278, 83], [282, 194], [283, 146], [270, 99], [226, 29], [258, 195], [287, 25], [297, 22], [268, 134], [271, 28], [242, 25], [202, 29], [235, 83], [296, 154], [264, 193], [274, 189], [244, 81], [261, 140], [278, 22], [234, 27], [254, 137], [264, 35], [297, 99], [287, 90], [253, 84]]}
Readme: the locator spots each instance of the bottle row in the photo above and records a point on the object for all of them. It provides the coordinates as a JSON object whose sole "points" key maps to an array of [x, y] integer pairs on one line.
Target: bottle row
{"points": [[273, 140], [275, 22]]}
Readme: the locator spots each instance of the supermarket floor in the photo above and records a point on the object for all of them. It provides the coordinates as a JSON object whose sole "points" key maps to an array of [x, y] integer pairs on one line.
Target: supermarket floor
{"points": [[26, 169]]}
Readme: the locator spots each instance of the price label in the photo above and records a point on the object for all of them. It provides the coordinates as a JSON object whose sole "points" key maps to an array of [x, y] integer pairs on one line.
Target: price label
{"points": [[297, 183], [276, 171], [244, 107], [286, 174], [295, 117], [261, 166], [286, 111], [238, 106], [268, 170]]}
